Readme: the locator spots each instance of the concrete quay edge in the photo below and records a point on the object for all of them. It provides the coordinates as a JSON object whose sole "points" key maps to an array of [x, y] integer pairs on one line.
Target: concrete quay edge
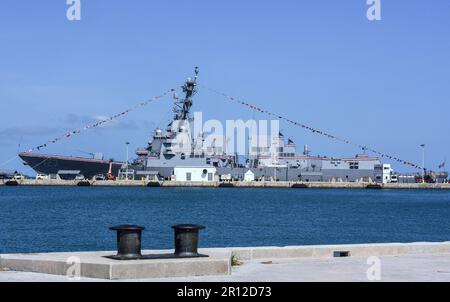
{"points": [[327, 251], [235, 184], [94, 265]]}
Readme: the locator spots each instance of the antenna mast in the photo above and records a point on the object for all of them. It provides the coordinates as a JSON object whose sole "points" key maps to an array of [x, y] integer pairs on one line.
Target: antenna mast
{"points": [[190, 89]]}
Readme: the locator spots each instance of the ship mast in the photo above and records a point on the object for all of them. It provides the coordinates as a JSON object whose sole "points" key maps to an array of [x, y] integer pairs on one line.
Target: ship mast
{"points": [[183, 107]]}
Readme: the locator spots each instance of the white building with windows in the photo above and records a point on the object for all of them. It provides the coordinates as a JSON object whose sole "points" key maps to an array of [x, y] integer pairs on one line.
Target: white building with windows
{"points": [[385, 174], [200, 174]]}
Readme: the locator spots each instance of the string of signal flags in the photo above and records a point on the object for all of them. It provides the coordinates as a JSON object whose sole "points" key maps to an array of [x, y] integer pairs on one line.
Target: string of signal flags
{"points": [[314, 130], [236, 100], [99, 123]]}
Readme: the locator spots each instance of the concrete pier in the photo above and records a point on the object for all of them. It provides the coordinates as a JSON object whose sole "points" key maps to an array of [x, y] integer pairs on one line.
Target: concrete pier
{"points": [[96, 265], [399, 262], [234, 184]]}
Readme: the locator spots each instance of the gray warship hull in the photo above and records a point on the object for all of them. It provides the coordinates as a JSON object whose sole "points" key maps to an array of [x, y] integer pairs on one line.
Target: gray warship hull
{"points": [[286, 173], [59, 165]]}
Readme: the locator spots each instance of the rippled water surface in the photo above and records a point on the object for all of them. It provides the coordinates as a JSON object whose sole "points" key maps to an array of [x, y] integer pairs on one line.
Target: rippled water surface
{"points": [[41, 219]]}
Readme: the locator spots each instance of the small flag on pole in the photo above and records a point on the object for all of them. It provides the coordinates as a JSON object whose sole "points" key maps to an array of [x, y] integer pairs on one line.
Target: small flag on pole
{"points": [[442, 165], [423, 145]]}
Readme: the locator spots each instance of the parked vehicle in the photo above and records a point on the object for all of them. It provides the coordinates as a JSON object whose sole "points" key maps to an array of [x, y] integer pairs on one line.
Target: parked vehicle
{"points": [[394, 179], [99, 177], [79, 177], [42, 176], [18, 177]]}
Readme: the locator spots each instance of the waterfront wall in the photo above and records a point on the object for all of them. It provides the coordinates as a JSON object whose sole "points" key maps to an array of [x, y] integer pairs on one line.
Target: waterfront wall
{"points": [[235, 184]]}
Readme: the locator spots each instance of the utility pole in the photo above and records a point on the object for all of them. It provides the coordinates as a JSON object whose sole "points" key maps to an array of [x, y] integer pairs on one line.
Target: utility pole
{"points": [[423, 163], [126, 163], [127, 144]]}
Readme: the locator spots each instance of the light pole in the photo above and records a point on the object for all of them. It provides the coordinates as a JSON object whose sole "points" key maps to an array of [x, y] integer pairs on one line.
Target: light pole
{"points": [[127, 143], [126, 163], [423, 163]]}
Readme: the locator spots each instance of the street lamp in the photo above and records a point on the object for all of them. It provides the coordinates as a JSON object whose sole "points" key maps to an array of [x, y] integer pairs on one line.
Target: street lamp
{"points": [[126, 163], [127, 143], [423, 162]]}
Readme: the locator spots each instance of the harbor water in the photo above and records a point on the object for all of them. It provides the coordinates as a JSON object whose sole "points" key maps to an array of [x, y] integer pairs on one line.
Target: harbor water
{"points": [[57, 219]]}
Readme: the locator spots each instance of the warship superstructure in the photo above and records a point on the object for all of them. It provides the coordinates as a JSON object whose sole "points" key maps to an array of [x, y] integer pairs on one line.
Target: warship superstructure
{"points": [[279, 161]]}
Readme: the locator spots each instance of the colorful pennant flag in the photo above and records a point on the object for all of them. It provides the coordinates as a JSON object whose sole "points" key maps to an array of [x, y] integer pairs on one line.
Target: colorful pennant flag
{"points": [[316, 131], [99, 123]]}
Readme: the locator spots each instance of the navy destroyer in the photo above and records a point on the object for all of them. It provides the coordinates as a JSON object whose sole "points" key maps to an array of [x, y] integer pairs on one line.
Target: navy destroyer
{"points": [[163, 154], [278, 161]]}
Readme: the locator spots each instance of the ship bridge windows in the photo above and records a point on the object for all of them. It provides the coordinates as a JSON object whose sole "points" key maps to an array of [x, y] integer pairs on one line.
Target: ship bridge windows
{"points": [[335, 163], [354, 165], [287, 154]]}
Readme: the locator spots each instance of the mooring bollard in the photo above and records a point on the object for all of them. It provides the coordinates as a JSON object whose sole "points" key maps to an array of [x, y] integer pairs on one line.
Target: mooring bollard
{"points": [[186, 240], [128, 242]]}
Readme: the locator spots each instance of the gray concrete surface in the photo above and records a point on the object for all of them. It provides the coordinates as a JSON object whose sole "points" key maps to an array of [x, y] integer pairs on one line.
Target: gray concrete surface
{"points": [[355, 250], [407, 268], [95, 265]]}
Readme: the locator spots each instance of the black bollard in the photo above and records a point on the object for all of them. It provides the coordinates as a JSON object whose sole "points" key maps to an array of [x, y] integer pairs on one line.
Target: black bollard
{"points": [[186, 240], [128, 242]]}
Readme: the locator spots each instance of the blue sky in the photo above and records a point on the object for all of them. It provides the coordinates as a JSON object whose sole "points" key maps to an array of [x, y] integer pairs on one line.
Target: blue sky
{"points": [[384, 84]]}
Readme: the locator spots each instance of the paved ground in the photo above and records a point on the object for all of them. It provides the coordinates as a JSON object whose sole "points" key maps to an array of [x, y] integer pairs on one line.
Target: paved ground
{"points": [[403, 268]]}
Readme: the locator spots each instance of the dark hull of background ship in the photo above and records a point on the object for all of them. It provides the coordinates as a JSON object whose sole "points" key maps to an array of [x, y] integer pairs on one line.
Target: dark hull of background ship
{"points": [[48, 164]]}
